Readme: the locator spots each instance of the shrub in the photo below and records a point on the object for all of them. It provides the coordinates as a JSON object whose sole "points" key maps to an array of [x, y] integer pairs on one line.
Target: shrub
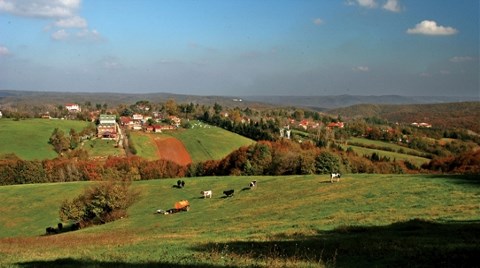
{"points": [[104, 202], [327, 162]]}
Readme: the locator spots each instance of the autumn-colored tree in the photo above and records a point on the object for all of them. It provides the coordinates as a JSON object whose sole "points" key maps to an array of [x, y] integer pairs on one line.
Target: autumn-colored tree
{"points": [[104, 202]]}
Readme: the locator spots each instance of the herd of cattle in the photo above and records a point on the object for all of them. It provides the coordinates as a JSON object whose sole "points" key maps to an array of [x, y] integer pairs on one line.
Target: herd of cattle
{"points": [[184, 205]]}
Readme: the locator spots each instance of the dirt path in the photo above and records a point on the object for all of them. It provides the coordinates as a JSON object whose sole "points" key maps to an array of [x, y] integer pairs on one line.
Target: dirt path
{"points": [[173, 150]]}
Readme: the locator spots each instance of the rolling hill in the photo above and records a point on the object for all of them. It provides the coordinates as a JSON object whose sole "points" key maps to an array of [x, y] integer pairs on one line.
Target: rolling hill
{"points": [[290, 221], [202, 142], [441, 115], [28, 139]]}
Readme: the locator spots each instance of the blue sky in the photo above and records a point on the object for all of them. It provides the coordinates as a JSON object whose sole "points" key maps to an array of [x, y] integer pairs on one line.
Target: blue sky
{"points": [[242, 47]]}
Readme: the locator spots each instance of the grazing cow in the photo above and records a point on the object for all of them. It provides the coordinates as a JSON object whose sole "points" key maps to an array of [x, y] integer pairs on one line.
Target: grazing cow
{"points": [[179, 183], [334, 176], [50, 230], [253, 184], [206, 194], [229, 193]]}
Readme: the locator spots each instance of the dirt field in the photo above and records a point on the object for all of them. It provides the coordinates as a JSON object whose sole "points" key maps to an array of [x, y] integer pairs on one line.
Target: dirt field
{"points": [[173, 150]]}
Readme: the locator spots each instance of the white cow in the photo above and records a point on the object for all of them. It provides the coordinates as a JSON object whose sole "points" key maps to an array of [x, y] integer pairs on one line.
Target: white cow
{"points": [[334, 176], [206, 194]]}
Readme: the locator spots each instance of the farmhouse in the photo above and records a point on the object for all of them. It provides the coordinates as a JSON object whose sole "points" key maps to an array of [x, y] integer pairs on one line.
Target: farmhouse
{"points": [[175, 120], [137, 117], [335, 125], [426, 125], [73, 108], [107, 128]]}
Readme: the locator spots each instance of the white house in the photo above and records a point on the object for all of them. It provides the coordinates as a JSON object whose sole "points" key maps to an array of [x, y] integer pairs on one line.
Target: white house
{"points": [[72, 107]]}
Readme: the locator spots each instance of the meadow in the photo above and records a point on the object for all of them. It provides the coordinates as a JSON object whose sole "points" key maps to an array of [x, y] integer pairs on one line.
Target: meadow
{"points": [[203, 142], [364, 220], [28, 139], [394, 153]]}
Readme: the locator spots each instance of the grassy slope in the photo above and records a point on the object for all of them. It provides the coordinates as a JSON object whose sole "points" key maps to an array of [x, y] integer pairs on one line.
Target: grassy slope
{"points": [[418, 161], [203, 142], [144, 145], [392, 146], [28, 139], [289, 212], [102, 148]]}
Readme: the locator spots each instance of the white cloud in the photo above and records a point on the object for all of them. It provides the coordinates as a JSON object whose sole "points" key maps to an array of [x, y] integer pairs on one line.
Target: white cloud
{"points": [[71, 22], [60, 35], [392, 5], [317, 21], [361, 69], [363, 3], [458, 59], [77, 35], [64, 12], [111, 63], [4, 51], [40, 8], [429, 27]]}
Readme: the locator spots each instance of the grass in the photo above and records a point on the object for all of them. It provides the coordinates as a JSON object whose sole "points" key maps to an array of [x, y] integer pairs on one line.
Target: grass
{"points": [[293, 221], [144, 145], [28, 139], [203, 142], [99, 148], [417, 160], [392, 146]]}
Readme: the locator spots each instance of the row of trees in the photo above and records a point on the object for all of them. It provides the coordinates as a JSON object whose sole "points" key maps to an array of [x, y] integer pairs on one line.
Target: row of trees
{"points": [[17, 171], [285, 157]]}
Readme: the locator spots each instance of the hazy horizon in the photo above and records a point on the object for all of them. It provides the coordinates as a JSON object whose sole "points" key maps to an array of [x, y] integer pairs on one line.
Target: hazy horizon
{"points": [[242, 48]]}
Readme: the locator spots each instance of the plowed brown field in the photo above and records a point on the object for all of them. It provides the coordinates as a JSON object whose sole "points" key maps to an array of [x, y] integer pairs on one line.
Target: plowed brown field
{"points": [[173, 150]]}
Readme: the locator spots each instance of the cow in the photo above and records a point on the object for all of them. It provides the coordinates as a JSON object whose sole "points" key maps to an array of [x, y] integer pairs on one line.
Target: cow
{"points": [[50, 230], [253, 184], [335, 176], [206, 194], [229, 193]]}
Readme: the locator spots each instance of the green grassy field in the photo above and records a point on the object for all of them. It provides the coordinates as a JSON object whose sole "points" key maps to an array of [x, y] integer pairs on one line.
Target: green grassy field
{"points": [[203, 142], [99, 148], [418, 161], [394, 147], [28, 139], [146, 148], [291, 221]]}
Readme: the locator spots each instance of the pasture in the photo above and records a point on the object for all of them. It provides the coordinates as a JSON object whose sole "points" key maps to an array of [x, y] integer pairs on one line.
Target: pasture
{"points": [[28, 139], [98, 148], [203, 142], [290, 221]]}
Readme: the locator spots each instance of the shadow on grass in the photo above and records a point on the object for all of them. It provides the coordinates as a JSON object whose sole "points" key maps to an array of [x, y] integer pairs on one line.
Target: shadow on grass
{"points": [[470, 179], [68, 262], [415, 243]]}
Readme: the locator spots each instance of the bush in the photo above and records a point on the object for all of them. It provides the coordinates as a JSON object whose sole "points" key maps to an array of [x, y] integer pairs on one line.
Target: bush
{"points": [[104, 202]]}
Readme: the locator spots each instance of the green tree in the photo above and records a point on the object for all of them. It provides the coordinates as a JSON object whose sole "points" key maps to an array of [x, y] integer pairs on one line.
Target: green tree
{"points": [[327, 162], [59, 141], [99, 204], [217, 108]]}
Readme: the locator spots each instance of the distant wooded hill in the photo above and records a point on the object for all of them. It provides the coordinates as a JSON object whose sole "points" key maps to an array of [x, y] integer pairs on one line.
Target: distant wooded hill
{"points": [[9, 97], [336, 101], [319, 103], [441, 115]]}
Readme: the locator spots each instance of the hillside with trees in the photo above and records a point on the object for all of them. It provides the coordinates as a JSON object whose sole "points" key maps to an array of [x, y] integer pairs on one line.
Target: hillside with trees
{"points": [[457, 115]]}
